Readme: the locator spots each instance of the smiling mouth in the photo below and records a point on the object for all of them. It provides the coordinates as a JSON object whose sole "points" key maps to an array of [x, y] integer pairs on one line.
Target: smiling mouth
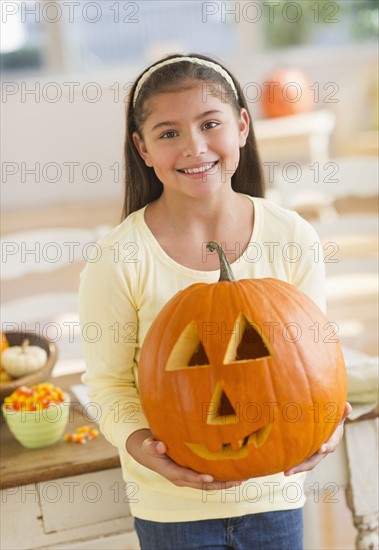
{"points": [[237, 449], [206, 166]]}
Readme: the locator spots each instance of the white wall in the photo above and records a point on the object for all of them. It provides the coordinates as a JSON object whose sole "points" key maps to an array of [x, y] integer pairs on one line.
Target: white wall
{"points": [[71, 130], [76, 129]]}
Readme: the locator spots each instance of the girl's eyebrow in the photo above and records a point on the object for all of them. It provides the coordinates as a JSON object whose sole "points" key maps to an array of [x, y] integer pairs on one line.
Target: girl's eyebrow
{"points": [[174, 122]]}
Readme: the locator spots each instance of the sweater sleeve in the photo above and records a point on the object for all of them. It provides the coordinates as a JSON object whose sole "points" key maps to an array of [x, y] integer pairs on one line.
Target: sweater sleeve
{"points": [[308, 271], [109, 326]]}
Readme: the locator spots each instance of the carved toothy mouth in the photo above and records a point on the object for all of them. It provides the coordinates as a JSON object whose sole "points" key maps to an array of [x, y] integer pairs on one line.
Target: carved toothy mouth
{"points": [[237, 449]]}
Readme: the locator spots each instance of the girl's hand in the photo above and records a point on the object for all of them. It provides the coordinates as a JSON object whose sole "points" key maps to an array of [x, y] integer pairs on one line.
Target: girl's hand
{"points": [[328, 447], [151, 453]]}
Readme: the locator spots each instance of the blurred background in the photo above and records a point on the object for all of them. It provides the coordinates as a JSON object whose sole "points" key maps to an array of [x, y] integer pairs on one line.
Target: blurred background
{"points": [[66, 68]]}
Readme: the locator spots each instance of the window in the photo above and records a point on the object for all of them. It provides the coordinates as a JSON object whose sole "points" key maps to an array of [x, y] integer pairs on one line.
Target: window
{"points": [[320, 22], [22, 37], [109, 33]]}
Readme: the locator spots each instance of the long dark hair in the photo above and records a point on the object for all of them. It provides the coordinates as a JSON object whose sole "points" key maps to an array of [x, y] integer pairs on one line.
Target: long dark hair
{"points": [[141, 183]]}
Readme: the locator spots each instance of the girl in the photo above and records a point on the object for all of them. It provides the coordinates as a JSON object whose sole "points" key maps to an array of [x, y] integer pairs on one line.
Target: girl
{"points": [[192, 175]]}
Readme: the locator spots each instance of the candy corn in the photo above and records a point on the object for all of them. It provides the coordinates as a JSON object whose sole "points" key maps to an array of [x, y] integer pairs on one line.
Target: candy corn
{"points": [[34, 398], [82, 434]]}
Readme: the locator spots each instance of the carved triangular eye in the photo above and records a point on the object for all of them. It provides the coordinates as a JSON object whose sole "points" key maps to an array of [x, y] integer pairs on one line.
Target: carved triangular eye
{"points": [[188, 350], [247, 342]]}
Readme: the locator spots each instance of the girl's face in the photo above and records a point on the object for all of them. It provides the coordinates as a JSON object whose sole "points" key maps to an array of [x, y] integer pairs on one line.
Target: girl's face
{"points": [[192, 140]]}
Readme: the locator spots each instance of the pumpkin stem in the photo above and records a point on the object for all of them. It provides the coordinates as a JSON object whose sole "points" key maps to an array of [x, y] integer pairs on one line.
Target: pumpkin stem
{"points": [[226, 273], [25, 345]]}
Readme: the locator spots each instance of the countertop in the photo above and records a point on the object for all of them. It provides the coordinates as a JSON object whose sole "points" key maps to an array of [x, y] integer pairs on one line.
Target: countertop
{"points": [[22, 466]]}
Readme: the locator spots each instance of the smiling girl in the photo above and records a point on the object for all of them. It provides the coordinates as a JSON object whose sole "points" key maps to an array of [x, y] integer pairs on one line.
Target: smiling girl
{"points": [[193, 175]]}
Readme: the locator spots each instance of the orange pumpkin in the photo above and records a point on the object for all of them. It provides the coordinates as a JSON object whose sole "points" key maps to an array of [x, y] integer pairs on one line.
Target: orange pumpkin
{"points": [[232, 379], [4, 376], [4, 342], [286, 91]]}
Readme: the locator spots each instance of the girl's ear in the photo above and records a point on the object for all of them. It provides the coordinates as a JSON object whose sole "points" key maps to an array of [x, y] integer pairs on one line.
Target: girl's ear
{"points": [[141, 148], [243, 124]]}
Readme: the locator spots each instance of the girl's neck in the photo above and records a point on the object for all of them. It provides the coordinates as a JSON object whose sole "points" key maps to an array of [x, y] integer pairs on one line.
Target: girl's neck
{"points": [[185, 214], [182, 227]]}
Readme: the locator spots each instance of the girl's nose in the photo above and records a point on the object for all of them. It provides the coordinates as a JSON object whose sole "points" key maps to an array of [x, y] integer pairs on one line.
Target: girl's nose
{"points": [[194, 145]]}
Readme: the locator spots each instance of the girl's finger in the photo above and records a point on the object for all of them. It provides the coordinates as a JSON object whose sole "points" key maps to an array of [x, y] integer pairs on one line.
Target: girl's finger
{"points": [[347, 411], [161, 447], [335, 439], [185, 477], [154, 447]]}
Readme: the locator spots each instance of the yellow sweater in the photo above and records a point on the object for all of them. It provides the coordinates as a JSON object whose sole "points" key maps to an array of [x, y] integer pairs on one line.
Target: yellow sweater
{"points": [[123, 288]]}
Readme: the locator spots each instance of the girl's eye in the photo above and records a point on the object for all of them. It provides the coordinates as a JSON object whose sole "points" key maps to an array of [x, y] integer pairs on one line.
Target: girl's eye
{"points": [[168, 135], [210, 124]]}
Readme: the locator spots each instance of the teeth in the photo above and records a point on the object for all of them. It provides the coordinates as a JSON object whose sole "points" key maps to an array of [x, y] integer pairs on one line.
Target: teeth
{"points": [[214, 446], [258, 438], [236, 445], [233, 450], [198, 170]]}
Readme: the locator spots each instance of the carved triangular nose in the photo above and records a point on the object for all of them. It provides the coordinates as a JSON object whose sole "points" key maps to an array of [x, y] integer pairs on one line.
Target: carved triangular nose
{"points": [[222, 410], [225, 407]]}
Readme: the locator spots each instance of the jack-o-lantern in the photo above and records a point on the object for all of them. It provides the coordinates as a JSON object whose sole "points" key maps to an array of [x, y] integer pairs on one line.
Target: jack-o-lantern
{"points": [[286, 91], [241, 378]]}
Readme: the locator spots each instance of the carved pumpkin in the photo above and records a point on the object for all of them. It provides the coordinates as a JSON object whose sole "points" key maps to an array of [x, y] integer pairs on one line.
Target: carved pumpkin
{"points": [[233, 379], [286, 91]]}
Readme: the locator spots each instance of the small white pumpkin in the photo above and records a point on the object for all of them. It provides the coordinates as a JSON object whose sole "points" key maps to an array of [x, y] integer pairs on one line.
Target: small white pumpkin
{"points": [[25, 359]]}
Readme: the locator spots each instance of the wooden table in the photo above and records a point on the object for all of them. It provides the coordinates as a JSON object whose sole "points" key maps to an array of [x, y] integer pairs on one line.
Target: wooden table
{"points": [[20, 466], [63, 493]]}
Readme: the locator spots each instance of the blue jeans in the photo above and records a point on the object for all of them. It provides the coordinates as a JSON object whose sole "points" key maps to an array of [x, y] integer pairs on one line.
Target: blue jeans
{"points": [[282, 530]]}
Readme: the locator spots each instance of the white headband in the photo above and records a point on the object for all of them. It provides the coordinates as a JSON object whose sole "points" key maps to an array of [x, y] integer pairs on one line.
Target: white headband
{"points": [[195, 60]]}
